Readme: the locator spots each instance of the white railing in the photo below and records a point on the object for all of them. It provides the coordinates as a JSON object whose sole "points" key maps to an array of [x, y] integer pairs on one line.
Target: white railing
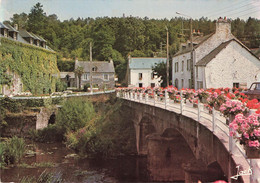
{"points": [[212, 119], [65, 95]]}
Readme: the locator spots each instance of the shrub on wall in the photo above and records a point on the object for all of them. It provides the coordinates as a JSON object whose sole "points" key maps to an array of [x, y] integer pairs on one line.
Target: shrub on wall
{"points": [[74, 114], [36, 66]]}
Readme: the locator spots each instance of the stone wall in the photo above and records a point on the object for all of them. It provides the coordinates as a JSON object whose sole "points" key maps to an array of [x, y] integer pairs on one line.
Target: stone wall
{"points": [[178, 138]]}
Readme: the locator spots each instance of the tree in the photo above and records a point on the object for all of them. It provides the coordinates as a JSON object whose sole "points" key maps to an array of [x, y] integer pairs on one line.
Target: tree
{"points": [[79, 72], [20, 20], [36, 19], [75, 114], [160, 70]]}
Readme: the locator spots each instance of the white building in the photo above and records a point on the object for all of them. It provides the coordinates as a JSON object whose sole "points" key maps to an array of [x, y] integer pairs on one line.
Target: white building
{"points": [[220, 60], [140, 72]]}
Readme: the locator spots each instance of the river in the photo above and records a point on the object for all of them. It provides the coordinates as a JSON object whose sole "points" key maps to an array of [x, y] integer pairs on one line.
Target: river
{"points": [[59, 160]]}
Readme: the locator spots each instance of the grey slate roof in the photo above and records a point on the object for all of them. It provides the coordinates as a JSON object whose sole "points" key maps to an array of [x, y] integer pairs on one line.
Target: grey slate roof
{"points": [[24, 33], [3, 26], [199, 40], [11, 29], [64, 74], [102, 66], [144, 62]]}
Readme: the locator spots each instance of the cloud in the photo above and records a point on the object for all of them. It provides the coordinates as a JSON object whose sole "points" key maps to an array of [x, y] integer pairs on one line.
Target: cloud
{"points": [[4, 14]]}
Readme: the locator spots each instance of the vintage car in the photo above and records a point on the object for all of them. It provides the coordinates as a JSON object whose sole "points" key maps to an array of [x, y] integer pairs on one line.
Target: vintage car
{"points": [[253, 91]]}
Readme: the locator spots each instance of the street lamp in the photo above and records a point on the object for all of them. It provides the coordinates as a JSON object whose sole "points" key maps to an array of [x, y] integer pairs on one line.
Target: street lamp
{"points": [[167, 61], [192, 60]]}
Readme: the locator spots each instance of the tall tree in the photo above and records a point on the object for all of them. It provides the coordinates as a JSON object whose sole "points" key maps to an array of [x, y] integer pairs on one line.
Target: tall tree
{"points": [[79, 71], [36, 19]]}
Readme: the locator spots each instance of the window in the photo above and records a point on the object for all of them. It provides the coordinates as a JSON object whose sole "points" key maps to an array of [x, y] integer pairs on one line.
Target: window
{"points": [[152, 85], [189, 83], [235, 85], [182, 83], [105, 77], [152, 75], [94, 69], [182, 66], [188, 64], [177, 66], [140, 75], [197, 72], [199, 84], [140, 85], [85, 76], [176, 83]]}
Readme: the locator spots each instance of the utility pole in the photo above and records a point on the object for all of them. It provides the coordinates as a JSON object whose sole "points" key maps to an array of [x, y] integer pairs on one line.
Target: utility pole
{"points": [[90, 55], [167, 61], [192, 64], [191, 58]]}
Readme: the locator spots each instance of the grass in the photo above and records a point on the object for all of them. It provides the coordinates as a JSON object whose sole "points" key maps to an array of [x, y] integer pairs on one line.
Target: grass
{"points": [[37, 165], [12, 150], [45, 177]]}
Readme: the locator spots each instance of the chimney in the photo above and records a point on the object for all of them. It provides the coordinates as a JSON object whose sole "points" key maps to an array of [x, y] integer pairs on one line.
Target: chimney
{"points": [[16, 27], [223, 27]]}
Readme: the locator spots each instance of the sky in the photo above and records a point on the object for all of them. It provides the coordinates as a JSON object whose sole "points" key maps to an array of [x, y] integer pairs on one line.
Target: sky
{"points": [[158, 9]]}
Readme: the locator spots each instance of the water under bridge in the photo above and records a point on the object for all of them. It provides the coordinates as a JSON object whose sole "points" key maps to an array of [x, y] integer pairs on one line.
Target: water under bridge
{"points": [[188, 139]]}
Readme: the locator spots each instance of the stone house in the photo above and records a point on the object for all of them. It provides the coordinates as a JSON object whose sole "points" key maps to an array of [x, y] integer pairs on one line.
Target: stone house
{"points": [[68, 78], [139, 71], [103, 74], [32, 66], [219, 60]]}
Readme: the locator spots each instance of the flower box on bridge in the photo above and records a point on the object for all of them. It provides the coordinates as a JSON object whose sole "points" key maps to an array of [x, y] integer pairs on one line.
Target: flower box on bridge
{"points": [[252, 153]]}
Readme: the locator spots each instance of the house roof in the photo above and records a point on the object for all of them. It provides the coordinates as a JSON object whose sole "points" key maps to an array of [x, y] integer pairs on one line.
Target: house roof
{"points": [[102, 66], [205, 60], [3, 26], [24, 33], [256, 51], [144, 62], [11, 29], [198, 40], [64, 74]]}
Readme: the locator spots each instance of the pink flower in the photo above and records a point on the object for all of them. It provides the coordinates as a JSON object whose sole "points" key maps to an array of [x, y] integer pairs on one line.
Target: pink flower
{"points": [[257, 132], [254, 143], [246, 135]]}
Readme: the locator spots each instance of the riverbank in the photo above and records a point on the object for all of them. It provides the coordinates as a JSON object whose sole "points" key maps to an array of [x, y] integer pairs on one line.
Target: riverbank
{"points": [[61, 161]]}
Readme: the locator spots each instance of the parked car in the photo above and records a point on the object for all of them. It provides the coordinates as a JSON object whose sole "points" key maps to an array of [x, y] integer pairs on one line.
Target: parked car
{"points": [[253, 91]]}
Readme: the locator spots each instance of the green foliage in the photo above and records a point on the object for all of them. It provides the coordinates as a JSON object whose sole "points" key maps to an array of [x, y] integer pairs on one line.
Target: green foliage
{"points": [[61, 86], [74, 114], [66, 66], [5, 79], [12, 150], [110, 134], [16, 106], [49, 134], [78, 72], [36, 66], [86, 87], [45, 177], [160, 70]]}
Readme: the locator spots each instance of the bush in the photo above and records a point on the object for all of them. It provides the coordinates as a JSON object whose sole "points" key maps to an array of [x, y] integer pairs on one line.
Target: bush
{"points": [[110, 135], [61, 86], [49, 134], [12, 150], [86, 87], [74, 114]]}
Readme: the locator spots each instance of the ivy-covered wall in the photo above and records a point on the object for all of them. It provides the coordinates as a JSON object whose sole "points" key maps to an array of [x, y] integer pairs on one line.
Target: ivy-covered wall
{"points": [[37, 67]]}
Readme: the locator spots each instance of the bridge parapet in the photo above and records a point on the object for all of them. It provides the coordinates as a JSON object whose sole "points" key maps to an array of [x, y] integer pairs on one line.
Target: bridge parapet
{"points": [[213, 120]]}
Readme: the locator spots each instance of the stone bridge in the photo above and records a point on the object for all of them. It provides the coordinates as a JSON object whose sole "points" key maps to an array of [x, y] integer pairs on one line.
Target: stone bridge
{"points": [[183, 142]]}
